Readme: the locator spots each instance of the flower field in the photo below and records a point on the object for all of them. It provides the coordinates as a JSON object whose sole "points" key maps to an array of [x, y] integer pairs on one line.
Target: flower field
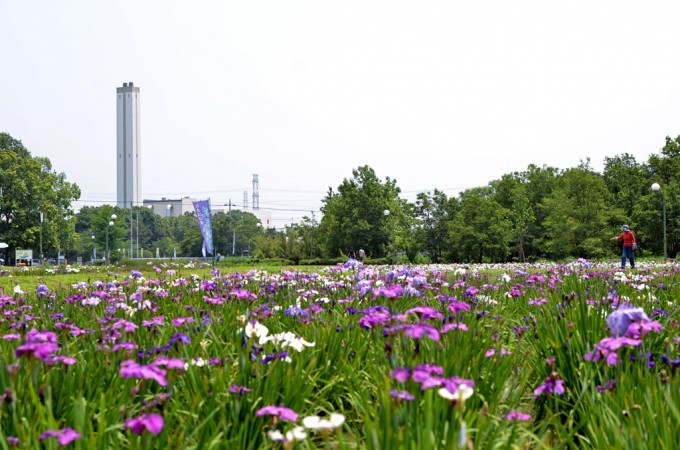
{"points": [[497, 357]]}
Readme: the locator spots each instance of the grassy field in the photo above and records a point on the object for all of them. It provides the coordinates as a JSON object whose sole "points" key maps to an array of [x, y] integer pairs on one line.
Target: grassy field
{"points": [[576, 355]]}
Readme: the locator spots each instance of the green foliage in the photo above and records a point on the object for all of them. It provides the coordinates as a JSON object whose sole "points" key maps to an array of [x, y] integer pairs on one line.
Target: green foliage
{"points": [[30, 187], [579, 215], [482, 230], [354, 216], [509, 346]]}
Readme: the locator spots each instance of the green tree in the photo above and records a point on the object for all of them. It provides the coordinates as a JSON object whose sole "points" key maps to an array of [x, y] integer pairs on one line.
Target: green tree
{"points": [[481, 232], [235, 233], [30, 188], [580, 215], [626, 180], [354, 216], [662, 168], [433, 212], [511, 192]]}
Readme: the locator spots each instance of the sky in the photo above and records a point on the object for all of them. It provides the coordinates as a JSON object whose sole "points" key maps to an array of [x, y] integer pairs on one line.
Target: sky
{"points": [[445, 95]]}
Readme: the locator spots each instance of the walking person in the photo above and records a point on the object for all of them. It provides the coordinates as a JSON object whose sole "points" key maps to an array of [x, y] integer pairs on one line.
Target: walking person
{"points": [[362, 253], [629, 246]]}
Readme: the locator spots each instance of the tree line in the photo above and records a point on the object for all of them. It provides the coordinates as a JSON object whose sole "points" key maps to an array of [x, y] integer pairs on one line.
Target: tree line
{"points": [[538, 213]]}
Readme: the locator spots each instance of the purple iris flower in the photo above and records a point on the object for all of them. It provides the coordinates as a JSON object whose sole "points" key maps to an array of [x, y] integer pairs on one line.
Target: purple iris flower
{"points": [[620, 319], [425, 312], [410, 291], [552, 385], [274, 356], [401, 395], [153, 423], [424, 371], [41, 291], [401, 374], [240, 390], [243, 294], [278, 411], [517, 416], [452, 326], [130, 369], [637, 329], [674, 363], [64, 436], [135, 274], [607, 347], [295, 311], [363, 287], [609, 386], [418, 331], [394, 291], [457, 306], [41, 345]]}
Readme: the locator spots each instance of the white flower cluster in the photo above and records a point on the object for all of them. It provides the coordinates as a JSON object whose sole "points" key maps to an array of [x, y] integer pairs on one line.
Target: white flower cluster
{"points": [[282, 340], [320, 424]]}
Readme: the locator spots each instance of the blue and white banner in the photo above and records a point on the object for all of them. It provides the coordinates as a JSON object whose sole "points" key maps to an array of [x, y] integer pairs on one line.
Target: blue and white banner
{"points": [[202, 208]]}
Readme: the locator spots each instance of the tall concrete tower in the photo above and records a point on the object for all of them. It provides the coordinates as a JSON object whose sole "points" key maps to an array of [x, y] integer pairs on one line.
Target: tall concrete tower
{"points": [[128, 152]]}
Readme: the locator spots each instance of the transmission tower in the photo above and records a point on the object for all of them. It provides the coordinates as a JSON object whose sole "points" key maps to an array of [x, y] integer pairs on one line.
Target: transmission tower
{"points": [[256, 193]]}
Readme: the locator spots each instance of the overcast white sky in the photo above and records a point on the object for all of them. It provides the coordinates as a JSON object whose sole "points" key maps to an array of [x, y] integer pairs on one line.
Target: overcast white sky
{"points": [[436, 94]]}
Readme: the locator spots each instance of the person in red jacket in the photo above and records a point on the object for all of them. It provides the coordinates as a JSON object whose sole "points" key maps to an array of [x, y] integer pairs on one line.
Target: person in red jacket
{"points": [[629, 246]]}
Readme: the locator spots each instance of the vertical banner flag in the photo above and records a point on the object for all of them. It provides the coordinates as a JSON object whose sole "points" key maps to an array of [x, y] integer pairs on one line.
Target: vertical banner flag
{"points": [[202, 208]]}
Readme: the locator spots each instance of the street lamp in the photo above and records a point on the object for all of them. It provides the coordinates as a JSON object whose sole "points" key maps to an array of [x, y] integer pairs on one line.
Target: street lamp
{"points": [[657, 188], [389, 244], [107, 255], [94, 249]]}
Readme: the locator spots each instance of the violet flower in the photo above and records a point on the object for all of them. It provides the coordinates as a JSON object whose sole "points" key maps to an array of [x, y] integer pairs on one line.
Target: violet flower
{"points": [[130, 369], [607, 347], [237, 389], [153, 423], [401, 395], [620, 319], [516, 416], [135, 274], [64, 436], [401, 374], [552, 385], [278, 411]]}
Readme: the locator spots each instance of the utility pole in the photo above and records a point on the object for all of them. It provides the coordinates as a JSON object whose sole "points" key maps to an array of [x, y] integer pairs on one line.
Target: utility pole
{"points": [[130, 227]]}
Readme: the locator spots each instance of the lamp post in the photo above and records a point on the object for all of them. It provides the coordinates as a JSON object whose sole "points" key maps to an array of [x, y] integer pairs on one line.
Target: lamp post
{"points": [[389, 244], [94, 249], [657, 188], [41, 250], [107, 255]]}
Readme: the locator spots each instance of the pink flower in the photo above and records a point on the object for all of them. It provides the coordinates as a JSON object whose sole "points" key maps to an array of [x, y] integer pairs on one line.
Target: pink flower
{"points": [[278, 411], [243, 294], [517, 416], [64, 436], [130, 369], [607, 347], [179, 321], [151, 422], [452, 326], [127, 326], [12, 337], [456, 307], [492, 351], [637, 329], [551, 386], [401, 374]]}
